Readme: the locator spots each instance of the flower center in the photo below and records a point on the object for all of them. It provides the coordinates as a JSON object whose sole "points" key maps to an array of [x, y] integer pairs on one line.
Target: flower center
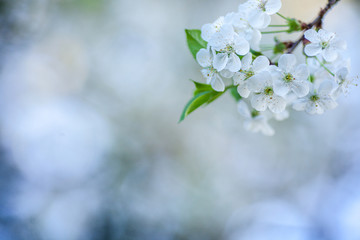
{"points": [[324, 45], [262, 4], [255, 113], [248, 74], [314, 98], [269, 91], [212, 71], [228, 49], [342, 80], [288, 77]]}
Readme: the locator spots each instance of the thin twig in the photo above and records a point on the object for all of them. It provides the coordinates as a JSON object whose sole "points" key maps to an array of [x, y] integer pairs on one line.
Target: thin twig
{"points": [[317, 23]]}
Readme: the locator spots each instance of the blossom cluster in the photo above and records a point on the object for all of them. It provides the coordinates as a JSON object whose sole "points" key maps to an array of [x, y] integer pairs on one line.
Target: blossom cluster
{"points": [[268, 87]]}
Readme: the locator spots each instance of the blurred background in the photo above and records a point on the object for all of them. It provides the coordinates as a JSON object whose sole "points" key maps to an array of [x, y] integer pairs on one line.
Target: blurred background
{"points": [[90, 95]]}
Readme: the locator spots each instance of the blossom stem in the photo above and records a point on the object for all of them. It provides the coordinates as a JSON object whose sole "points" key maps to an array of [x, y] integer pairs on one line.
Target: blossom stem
{"points": [[229, 87], [282, 16], [277, 25], [270, 32], [322, 64]]}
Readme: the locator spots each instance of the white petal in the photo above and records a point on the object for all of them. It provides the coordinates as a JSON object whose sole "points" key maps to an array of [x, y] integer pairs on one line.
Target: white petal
{"points": [[277, 104], [241, 46], [312, 49], [243, 90], [207, 74], [312, 88], [330, 54], [282, 116], [338, 44], [301, 72], [220, 39], [257, 124], [325, 88], [246, 61], [267, 129], [239, 78], [217, 83], [204, 57], [273, 68], [255, 39], [260, 64], [328, 103], [276, 75], [219, 23], [338, 91], [207, 31], [280, 87], [272, 6], [259, 81], [259, 102], [226, 73], [267, 20], [341, 75], [300, 88], [314, 108], [234, 63], [217, 42], [236, 20], [300, 104], [287, 62], [220, 61], [325, 36], [312, 36], [258, 19], [243, 109], [252, 125]]}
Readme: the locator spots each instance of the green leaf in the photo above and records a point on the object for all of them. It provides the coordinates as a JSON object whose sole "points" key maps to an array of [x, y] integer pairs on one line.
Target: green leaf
{"points": [[235, 94], [194, 41], [214, 96], [195, 103], [198, 100], [201, 87]]}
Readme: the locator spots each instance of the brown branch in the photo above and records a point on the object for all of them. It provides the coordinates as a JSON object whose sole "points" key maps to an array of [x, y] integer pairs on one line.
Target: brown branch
{"points": [[317, 23]]}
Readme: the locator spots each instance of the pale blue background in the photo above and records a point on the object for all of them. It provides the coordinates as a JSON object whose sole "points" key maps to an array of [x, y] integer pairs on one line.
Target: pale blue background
{"points": [[90, 95]]}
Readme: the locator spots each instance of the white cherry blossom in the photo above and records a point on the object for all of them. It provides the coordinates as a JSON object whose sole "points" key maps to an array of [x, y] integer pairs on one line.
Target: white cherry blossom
{"points": [[318, 100], [243, 28], [209, 29], [323, 43], [343, 81], [248, 72], [205, 59], [290, 78], [264, 96], [260, 11], [228, 45], [254, 120]]}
